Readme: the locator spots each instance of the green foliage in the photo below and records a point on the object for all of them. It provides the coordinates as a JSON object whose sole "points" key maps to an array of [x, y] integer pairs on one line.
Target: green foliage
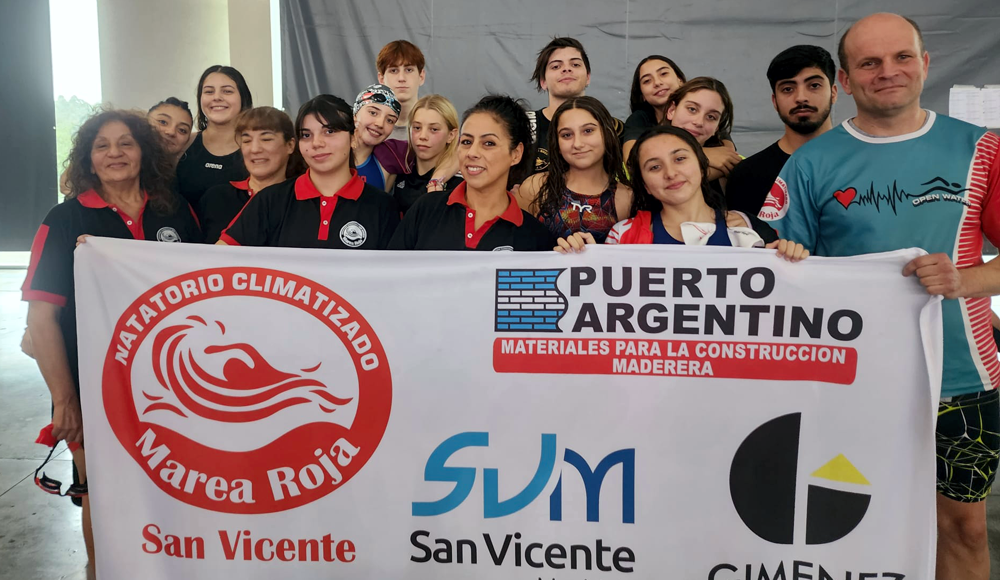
{"points": [[70, 114]]}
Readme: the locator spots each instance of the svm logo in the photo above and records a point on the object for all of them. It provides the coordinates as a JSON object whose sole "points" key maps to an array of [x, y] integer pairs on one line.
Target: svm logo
{"points": [[762, 481], [493, 507]]}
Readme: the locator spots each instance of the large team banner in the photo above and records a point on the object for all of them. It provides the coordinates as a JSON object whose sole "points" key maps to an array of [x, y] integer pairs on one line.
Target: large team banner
{"points": [[628, 412]]}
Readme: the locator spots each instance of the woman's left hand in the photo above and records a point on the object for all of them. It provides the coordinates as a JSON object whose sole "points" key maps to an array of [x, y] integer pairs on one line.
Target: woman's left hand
{"points": [[83, 239], [574, 243], [789, 250]]}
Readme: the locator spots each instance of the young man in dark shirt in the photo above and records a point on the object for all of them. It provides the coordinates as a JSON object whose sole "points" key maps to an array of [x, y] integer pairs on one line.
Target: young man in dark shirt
{"points": [[563, 71], [803, 91]]}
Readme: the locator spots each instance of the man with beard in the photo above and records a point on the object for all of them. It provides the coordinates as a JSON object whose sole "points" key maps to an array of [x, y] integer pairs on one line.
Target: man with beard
{"points": [[563, 71], [803, 90], [901, 176]]}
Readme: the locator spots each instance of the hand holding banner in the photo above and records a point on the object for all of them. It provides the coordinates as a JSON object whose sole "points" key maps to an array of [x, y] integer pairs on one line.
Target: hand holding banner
{"points": [[626, 412]]}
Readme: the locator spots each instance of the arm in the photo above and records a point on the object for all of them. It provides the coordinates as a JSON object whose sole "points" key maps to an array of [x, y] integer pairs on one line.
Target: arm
{"points": [[528, 193], [623, 200], [50, 353], [721, 160], [445, 170], [627, 148], [939, 275]]}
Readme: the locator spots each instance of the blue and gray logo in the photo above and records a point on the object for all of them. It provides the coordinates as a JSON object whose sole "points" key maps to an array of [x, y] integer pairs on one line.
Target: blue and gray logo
{"points": [[529, 300]]}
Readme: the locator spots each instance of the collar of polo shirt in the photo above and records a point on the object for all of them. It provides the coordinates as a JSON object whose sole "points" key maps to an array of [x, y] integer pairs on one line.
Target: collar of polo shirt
{"points": [[512, 214], [93, 200], [304, 188]]}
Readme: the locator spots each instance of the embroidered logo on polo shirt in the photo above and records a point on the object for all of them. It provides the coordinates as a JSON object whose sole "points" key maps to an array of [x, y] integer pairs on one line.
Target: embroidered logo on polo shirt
{"points": [[167, 234], [353, 234]]}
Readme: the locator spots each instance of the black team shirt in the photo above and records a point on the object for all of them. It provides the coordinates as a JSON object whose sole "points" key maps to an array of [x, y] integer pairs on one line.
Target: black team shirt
{"points": [[444, 221], [751, 179], [199, 170], [220, 204], [294, 214], [50, 271], [410, 188]]}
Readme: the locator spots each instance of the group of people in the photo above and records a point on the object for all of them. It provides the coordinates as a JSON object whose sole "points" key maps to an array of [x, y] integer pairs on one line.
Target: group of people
{"points": [[394, 170]]}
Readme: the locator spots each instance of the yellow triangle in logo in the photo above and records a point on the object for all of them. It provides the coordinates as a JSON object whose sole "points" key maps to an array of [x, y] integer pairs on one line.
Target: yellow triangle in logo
{"points": [[840, 469]]}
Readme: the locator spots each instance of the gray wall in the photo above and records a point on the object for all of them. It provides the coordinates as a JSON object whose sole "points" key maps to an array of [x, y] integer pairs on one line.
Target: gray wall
{"points": [[475, 46], [28, 148]]}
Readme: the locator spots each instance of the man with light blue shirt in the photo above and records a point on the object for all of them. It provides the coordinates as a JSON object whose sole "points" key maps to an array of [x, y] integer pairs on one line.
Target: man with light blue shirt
{"points": [[898, 176]]}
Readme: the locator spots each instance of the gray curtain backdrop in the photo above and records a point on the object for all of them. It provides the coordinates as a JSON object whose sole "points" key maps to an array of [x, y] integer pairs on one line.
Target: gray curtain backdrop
{"points": [[477, 46]]}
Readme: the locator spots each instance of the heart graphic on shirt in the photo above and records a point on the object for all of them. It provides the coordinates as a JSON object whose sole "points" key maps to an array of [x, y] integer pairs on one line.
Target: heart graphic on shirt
{"points": [[845, 196]]}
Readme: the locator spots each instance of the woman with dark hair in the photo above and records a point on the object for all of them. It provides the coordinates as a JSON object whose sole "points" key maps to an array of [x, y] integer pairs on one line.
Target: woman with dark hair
{"points": [[267, 144], [494, 153], [376, 111], [214, 157], [121, 188], [654, 80], [584, 188], [672, 203], [703, 108], [172, 119], [330, 206]]}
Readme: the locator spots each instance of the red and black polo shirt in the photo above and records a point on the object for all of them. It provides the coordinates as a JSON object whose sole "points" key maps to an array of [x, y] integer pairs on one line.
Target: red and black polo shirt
{"points": [[444, 221], [294, 214], [220, 204], [50, 271]]}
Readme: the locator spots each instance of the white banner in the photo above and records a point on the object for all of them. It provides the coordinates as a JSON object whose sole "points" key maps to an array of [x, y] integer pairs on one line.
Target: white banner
{"points": [[640, 412]]}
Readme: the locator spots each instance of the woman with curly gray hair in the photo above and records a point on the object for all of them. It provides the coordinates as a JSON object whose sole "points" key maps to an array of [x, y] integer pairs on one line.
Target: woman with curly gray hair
{"points": [[121, 187]]}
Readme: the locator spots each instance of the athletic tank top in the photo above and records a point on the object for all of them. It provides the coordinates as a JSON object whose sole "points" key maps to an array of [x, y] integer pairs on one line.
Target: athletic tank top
{"points": [[371, 172], [594, 214], [719, 238]]}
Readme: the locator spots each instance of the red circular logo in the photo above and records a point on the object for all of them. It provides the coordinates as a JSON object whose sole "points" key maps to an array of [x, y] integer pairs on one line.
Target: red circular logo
{"points": [[255, 391]]}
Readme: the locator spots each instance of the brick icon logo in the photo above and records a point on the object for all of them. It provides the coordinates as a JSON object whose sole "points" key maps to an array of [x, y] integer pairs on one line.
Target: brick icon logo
{"points": [[529, 300]]}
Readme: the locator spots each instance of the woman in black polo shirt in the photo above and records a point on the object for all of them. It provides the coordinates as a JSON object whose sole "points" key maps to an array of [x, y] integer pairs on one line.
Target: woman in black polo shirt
{"points": [[494, 151], [328, 207], [267, 142], [121, 188], [213, 156]]}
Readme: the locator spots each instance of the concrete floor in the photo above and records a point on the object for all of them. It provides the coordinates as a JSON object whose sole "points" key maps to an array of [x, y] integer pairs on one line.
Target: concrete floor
{"points": [[39, 533]]}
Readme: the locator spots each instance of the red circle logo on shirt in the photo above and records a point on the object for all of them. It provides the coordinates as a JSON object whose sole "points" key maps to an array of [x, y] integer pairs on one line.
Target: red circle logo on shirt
{"points": [[776, 204], [246, 390]]}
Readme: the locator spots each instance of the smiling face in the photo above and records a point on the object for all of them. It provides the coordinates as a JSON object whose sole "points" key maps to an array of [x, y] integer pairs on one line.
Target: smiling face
{"points": [[174, 125], [670, 170], [885, 66], [581, 143], [698, 113], [484, 152], [804, 101], [429, 134], [325, 151], [405, 81], [220, 99], [657, 81], [115, 156], [265, 153], [566, 74], [374, 123]]}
